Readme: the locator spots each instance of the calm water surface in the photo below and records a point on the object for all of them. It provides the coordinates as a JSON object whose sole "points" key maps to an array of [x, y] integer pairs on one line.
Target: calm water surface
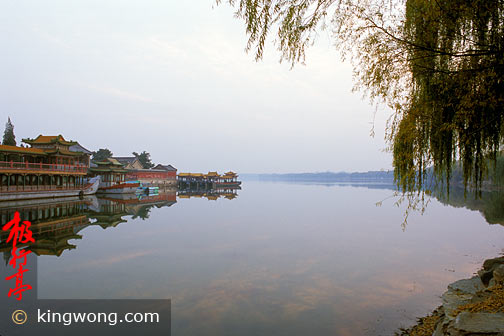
{"points": [[280, 259]]}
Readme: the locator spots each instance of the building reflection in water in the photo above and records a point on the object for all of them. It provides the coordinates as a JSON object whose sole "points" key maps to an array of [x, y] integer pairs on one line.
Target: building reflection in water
{"points": [[210, 194], [56, 221]]}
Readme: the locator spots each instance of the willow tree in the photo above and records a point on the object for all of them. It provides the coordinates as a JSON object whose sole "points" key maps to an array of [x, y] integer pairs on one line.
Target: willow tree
{"points": [[438, 64]]}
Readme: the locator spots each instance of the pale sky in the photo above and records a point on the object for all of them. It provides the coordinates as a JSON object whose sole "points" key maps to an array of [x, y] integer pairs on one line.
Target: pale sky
{"points": [[172, 78]]}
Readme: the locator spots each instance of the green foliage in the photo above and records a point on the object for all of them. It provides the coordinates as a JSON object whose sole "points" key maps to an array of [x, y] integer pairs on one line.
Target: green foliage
{"points": [[9, 138], [457, 98], [102, 154], [438, 64], [496, 171], [144, 159]]}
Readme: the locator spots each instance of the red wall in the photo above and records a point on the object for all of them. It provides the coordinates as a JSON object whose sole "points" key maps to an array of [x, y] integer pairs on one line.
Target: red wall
{"points": [[143, 175]]}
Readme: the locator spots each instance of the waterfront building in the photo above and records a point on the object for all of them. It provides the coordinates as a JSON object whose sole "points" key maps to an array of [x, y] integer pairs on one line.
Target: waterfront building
{"points": [[112, 177], [47, 168], [110, 171], [160, 175], [211, 180], [57, 150], [129, 162], [212, 177], [79, 148], [229, 177], [166, 167]]}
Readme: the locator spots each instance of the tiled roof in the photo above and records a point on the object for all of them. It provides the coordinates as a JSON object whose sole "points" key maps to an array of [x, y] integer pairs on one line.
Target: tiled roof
{"points": [[165, 167], [49, 139], [108, 162], [16, 149], [62, 151], [46, 138], [79, 148], [108, 165], [125, 159]]}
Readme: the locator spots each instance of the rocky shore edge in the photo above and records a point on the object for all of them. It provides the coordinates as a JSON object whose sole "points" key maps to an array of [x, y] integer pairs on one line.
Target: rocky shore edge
{"points": [[471, 307]]}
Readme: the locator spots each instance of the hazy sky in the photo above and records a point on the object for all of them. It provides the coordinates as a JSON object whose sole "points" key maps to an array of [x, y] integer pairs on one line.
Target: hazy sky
{"points": [[172, 78]]}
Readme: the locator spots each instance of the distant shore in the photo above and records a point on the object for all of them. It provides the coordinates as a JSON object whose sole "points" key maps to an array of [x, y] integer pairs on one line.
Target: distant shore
{"points": [[370, 176]]}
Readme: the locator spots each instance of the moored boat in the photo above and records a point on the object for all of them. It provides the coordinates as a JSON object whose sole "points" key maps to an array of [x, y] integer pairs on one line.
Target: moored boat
{"points": [[119, 188]]}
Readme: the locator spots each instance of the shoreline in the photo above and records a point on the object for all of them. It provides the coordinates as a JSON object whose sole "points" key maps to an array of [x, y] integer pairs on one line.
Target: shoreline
{"points": [[473, 306]]}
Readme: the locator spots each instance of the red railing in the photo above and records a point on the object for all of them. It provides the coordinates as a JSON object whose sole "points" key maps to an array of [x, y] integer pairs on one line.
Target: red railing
{"points": [[56, 167]]}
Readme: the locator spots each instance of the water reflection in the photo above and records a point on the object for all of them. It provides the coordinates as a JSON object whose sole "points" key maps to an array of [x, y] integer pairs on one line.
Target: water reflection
{"points": [[210, 194], [281, 259], [490, 204], [56, 221]]}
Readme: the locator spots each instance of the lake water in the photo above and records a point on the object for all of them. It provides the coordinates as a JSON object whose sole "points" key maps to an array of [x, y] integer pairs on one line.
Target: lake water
{"points": [[278, 259]]}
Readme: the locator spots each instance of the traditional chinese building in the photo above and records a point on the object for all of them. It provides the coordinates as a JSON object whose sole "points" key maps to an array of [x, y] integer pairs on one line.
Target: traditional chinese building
{"points": [[129, 162], [212, 180], [79, 148], [112, 177], [229, 177], [58, 151], [45, 169]]}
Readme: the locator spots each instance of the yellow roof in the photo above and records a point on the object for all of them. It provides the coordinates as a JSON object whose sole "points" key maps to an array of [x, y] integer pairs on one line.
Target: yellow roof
{"points": [[48, 139], [212, 174], [5, 148], [184, 174], [114, 161]]}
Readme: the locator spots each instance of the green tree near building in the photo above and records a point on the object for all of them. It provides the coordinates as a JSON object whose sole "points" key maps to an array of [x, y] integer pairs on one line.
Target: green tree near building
{"points": [[9, 138], [439, 65], [144, 159], [101, 155]]}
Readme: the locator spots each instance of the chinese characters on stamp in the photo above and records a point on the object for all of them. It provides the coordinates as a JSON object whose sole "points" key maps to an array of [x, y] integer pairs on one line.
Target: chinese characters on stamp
{"points": [[19, 233]]}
